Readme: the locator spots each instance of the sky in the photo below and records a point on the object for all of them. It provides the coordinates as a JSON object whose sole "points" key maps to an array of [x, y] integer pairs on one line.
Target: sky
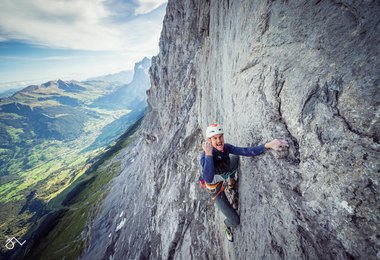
{"points": [[42, 40]]}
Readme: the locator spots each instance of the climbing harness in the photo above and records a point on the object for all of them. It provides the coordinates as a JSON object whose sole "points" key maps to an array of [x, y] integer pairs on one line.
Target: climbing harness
{"points": [[220, 191], [213, 187]]}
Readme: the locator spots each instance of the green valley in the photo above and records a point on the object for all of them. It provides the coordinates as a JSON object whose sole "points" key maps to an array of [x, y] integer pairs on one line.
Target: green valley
{"points": [[51, 135], [61, 232]]}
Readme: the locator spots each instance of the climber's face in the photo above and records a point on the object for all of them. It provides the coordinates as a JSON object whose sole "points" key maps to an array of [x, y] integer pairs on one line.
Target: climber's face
{"points": [[217, 141]]}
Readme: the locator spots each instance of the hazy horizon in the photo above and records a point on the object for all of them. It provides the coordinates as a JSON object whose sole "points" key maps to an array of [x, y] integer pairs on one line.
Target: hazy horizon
{"points": [[43, 40]]}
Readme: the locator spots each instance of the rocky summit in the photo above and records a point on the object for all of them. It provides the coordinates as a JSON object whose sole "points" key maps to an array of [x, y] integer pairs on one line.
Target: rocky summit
{"points": [[304, 71]]}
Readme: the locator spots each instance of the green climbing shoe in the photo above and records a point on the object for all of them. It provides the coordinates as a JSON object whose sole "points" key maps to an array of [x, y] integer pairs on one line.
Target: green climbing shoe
{"points": [[228, 233]]}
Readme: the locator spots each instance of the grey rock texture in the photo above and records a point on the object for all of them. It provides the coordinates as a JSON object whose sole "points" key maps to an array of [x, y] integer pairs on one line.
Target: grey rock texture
{"points": [[305, 71]]}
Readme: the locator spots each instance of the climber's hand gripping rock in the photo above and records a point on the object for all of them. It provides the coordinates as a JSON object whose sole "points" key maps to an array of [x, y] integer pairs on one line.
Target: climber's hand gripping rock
{"points": [[277, 145]]}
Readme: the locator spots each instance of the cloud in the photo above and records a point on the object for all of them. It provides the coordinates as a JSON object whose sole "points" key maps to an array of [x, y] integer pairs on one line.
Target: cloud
{"points": [[47, 58], [80, 24], [4, 86], [146, 6]]}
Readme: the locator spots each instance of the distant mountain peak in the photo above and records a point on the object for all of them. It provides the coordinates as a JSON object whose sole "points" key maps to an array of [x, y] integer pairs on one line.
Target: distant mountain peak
{"points": [[142, 68], [67, 86], [143, 64], [132, 94], [28, 89], [123, 77]]}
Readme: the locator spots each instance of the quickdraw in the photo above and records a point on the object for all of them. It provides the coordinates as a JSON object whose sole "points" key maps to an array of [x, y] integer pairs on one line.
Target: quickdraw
{"points": [[228, 174]]}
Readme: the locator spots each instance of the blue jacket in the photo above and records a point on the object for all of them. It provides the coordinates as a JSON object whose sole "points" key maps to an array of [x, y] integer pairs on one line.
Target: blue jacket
{"points": [[208, 162]]}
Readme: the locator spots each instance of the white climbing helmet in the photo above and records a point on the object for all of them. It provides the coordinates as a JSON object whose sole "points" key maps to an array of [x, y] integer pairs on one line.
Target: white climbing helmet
{"points": [[213, 129]]}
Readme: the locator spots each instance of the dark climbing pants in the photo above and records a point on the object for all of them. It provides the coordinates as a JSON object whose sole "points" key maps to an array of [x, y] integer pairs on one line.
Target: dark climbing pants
{"points": [[232, 218]]}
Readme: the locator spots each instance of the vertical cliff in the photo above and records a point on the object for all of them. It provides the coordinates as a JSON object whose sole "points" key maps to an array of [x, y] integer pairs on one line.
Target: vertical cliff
{"points": [[306, 71]]}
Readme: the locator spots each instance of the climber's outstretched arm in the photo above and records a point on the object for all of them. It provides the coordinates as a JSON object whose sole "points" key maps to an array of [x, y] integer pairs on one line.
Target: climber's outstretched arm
{"points": [[275, 144]]}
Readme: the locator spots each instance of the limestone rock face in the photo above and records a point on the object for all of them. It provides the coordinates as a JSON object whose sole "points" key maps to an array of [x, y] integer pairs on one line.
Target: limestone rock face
{"points": [[305, 71]]}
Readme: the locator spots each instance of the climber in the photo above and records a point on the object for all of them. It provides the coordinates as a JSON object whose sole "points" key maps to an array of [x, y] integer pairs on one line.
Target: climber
{"points": [[220, 162]]}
